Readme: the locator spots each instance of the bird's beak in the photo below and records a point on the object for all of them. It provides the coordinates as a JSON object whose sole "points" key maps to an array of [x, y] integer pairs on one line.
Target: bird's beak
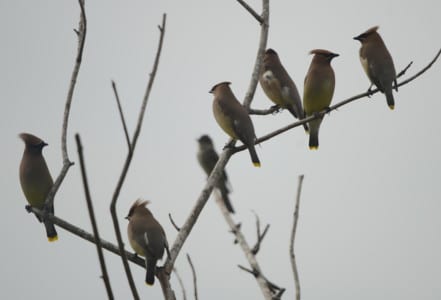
{"points": [[357, 38], [45, 144], [335, 55], [127, 218]]}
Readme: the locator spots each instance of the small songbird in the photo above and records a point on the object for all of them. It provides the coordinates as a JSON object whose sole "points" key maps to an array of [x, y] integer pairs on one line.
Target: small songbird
{"points": [[377, 63], [208, 157], [147, 237], [233, 118], [279, 87], [35, 179], [318, 90]]}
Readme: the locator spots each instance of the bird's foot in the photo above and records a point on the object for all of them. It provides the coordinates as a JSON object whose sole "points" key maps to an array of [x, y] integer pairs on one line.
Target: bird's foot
{"points": [[276, 109], [369, 91], [28, 208], [229, 145]]}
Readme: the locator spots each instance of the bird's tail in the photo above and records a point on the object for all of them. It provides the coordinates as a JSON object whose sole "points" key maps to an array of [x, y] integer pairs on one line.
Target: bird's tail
{"points": [[224, 193], [314, 127], [253, 154], [50, 231], [151, 271], [390, 98]]}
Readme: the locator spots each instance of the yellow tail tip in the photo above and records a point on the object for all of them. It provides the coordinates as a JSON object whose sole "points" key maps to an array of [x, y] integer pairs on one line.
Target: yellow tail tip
{"points": [[391, 107], [256, 164], [148, 284], [313, 147], [52, 238]]}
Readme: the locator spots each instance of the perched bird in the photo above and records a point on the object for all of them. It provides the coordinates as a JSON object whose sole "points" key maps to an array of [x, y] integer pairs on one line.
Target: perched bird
{"points": [[35, 179], [318, 90], [377, 63], [208, 157], [146, 237], [279, 87], [233, 118]]}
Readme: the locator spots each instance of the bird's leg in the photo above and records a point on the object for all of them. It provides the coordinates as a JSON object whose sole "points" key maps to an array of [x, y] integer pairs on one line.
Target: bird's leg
{"points": [[395, 85], [276, 108], [28, 208], [369, 91], [229, 145]]}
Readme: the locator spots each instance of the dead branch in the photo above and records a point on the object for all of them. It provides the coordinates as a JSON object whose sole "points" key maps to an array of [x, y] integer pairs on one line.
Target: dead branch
{"points": [[99, 247], [293, 236], [81, 33], [193, 272], [129, 160]]}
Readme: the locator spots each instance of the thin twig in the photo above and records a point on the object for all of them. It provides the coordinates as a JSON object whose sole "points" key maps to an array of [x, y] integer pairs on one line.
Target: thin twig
{"points": [[129, 159], [121, 114], [260, 236], [259, 57], [87, 236], [81, 33], [173, 222], [251, 11], [335, 107], [193, 272], [99, 248], [293, 237], [181, 283], [263, 112]]}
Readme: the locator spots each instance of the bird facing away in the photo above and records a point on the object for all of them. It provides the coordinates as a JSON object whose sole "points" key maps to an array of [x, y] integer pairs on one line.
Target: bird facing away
{"points": [[377, 63], [279, 87], [208, 157], [35, 179], [318, 90], [147, 237], [233, 118]]}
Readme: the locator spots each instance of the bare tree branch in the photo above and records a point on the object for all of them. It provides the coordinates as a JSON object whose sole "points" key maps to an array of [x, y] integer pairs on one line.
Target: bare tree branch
{"points": [[259, 57], [293, 237], [249, 255], [129, 159], [173, 222], [251, 11], [81, 33], [181, 283], [87, 236], [334, 107], [260, 235], [121, 114], [193, 272], [99, 248]]}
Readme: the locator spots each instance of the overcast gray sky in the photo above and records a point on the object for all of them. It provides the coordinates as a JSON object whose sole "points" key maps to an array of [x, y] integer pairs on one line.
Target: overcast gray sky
{"points": [[369, 223]]}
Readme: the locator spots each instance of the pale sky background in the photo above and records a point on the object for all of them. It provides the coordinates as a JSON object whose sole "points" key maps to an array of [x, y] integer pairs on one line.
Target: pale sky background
{"points": [[369, 223]]}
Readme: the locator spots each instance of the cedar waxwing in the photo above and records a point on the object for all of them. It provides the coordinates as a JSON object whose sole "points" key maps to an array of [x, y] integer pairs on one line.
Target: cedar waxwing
{"points": [[35, 179], [147, 237], [318, 90], [233, 118], [279, 87], [208, 157], [377, 63]]}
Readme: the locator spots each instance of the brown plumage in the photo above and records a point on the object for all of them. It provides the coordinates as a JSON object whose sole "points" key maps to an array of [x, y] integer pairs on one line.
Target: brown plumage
{"points": [[207, 158], [35, 179], [318, 90], [278, 85], [147, 237], [233, 118], [377, 63]]}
